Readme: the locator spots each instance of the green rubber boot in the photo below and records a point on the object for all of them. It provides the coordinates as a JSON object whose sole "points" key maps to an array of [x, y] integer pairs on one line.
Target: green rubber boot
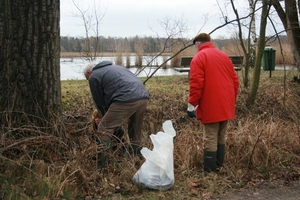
{"points": [[220, 156], [210, 159]]}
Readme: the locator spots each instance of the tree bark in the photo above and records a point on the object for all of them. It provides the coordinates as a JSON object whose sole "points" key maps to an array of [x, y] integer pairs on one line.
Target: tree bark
{"points": [[289, 19], [293, 29], [29, 62]]}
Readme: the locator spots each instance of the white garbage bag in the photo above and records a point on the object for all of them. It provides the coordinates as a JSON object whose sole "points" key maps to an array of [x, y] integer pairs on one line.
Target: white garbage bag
{"points": [[157, 172]]}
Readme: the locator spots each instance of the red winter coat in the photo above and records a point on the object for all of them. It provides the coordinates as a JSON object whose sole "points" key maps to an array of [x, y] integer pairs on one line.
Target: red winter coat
{"points": [[213, 85]]}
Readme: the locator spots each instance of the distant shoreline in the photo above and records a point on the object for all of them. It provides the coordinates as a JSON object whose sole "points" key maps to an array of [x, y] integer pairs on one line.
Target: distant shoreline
{"points": [[80, 54], [116, 54], [99, 54]]}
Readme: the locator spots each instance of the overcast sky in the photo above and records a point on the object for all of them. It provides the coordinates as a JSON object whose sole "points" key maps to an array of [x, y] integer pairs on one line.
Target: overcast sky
{"points": [[129, 18]]}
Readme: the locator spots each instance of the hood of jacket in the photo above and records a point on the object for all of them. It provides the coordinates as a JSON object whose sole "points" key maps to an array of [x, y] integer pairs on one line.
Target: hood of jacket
{"points": [[102, 64]]}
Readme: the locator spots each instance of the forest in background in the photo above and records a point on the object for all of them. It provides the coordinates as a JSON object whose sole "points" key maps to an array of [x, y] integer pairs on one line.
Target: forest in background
{"points": [[112, 46]]}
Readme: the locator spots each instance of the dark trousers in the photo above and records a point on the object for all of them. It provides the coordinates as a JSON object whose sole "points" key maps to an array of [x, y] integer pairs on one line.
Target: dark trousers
{"points": [[116, 116]]}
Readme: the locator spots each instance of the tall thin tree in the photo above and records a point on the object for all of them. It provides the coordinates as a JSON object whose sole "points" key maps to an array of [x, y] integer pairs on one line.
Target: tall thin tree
{"points": [[260, 50]]}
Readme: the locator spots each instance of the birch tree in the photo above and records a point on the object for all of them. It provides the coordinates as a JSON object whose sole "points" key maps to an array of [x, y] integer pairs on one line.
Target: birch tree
{"points": [[260, 50]]}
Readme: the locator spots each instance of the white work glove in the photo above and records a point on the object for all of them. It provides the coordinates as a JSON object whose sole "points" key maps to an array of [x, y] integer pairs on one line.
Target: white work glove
{"points": [[191, 110]]}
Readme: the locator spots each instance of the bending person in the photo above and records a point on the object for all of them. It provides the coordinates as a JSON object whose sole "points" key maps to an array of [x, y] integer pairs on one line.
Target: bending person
{"points": [[119, 95]]}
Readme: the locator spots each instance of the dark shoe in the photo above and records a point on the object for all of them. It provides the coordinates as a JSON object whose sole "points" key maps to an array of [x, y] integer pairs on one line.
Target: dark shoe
{"points": [[210, 159], [136, 150]]}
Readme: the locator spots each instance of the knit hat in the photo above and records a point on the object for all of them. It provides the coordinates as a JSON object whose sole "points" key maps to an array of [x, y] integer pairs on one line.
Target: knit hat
{"points": [[202, 37]]}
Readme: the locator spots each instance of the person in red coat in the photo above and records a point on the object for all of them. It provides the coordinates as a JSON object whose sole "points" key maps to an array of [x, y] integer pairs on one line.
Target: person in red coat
{"points": [[213, 89]]}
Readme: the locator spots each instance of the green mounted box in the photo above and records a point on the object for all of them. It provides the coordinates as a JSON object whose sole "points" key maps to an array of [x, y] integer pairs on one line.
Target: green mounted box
{"points": [[268, 59]]}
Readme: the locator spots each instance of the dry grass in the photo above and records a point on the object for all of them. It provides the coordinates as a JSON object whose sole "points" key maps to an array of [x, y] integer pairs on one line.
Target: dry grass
{"points": [[262, 145], [283, 54]]}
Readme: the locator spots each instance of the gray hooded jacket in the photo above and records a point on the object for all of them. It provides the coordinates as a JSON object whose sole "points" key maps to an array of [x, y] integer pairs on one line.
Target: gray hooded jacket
{"points": [[113, 83]]}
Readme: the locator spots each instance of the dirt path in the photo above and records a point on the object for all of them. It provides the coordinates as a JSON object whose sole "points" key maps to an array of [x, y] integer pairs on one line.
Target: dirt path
{"points": [[268, 191]]}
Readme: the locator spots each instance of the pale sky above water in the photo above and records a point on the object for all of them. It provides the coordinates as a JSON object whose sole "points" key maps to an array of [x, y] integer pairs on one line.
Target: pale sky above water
{"points": [[130, 18]]}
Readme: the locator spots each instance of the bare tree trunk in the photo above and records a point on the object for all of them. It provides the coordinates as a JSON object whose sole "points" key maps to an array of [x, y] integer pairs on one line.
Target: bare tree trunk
{"points": [[251, 55], [249, 51], [91, 16], [29, 62], [260, 51]]}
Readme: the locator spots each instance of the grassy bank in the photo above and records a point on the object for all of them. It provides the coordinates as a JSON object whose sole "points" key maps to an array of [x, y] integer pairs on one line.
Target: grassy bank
{"points": [[262, 145]]}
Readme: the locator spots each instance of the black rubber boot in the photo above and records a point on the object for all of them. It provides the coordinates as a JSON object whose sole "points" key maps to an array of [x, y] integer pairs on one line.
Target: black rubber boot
{"points": [[101, 160], [220, 156], [210, 159], [103, 149]]}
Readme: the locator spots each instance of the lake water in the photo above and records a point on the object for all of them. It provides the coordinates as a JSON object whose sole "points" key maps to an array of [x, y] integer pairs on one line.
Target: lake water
{"points": [[72, 69]]}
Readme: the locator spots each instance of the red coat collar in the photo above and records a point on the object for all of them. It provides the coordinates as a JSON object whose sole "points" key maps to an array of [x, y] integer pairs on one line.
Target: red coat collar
{"points": [[206, 45]]}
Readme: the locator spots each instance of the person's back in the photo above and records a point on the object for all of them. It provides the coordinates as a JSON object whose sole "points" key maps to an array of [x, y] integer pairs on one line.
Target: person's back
{"points": [[117, 83], [120, 96], [217, 100], [212, 95]]}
